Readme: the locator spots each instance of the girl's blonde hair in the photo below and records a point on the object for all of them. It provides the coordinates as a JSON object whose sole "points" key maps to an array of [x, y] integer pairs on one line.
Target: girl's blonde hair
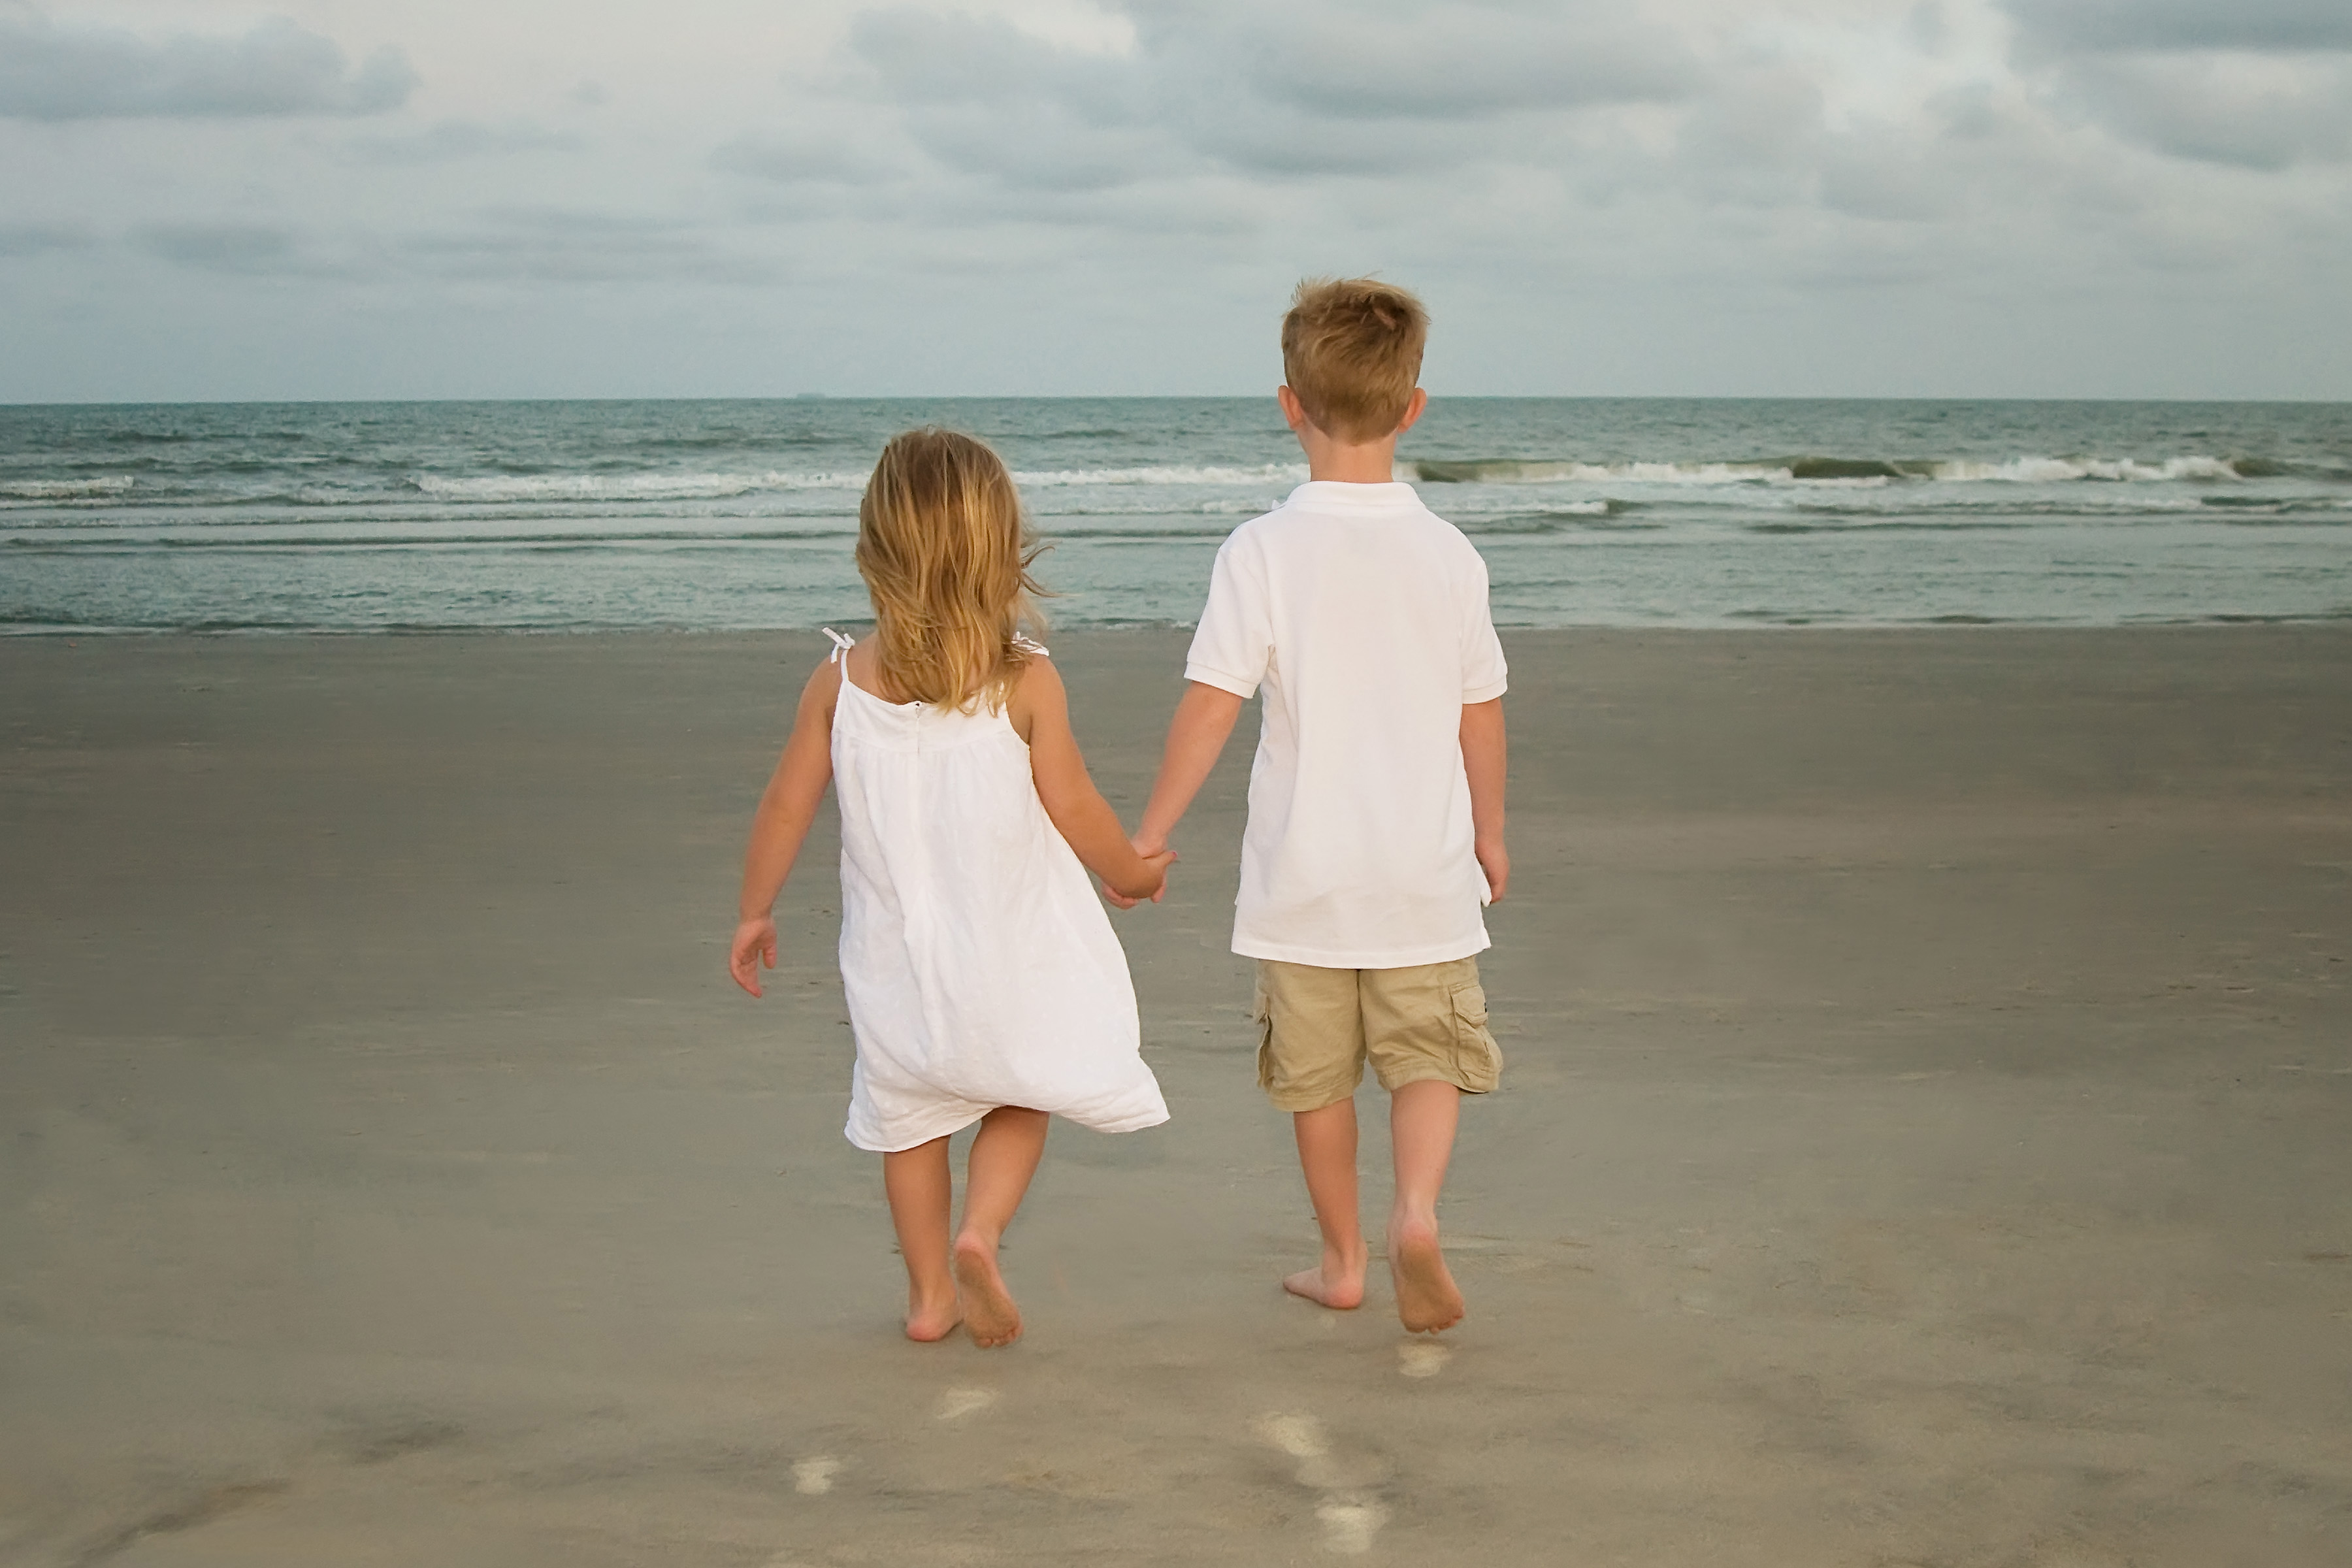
{"points": [[945, 553]]}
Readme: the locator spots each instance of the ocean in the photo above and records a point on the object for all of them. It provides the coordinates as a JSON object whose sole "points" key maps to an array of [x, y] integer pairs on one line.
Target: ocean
{"points": [[553, 516]]}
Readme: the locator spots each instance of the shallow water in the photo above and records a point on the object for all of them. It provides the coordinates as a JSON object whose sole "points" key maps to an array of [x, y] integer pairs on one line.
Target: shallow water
{"points": [[740, 514]]}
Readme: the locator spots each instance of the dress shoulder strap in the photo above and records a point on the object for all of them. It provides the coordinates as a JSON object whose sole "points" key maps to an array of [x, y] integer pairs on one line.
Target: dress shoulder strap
{"points": [[1030, 644], [841, 646]]}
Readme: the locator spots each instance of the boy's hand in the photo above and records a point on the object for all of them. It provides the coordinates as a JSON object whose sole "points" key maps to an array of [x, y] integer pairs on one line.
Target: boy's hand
{"points": [[1495, 861], [1159, 860], [755, 938]]}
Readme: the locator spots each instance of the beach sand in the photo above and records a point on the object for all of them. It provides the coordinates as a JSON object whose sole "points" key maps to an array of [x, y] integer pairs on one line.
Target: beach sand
{"points": [[1927, 1137]]}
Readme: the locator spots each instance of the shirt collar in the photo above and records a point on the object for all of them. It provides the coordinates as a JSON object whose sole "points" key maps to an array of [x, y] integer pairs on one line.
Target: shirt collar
{"points": [[1340, 493]]}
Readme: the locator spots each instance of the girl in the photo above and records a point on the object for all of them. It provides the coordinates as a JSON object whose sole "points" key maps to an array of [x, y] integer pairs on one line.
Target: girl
{"points": [[984, 984]]}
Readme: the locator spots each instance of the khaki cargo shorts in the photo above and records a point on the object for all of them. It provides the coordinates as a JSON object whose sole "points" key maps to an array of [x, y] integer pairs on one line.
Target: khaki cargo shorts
{"points": [[1316, 1028]]}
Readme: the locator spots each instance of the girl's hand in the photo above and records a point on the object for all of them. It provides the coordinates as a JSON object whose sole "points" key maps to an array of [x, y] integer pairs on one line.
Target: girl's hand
{"points": [[1152, 885], [755, 938]]}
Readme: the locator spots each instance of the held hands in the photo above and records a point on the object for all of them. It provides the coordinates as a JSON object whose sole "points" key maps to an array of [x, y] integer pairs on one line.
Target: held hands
{"points": [[755, 939], [1157, 859]]}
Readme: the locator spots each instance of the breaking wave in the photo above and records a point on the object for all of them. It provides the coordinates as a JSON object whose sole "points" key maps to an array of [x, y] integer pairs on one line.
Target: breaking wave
{"points": [[65, 489], [1828, 471]]}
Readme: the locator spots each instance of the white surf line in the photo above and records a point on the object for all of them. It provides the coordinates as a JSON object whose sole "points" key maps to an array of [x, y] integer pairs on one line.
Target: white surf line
{"points": [[958, 1403], [812, 1477]]}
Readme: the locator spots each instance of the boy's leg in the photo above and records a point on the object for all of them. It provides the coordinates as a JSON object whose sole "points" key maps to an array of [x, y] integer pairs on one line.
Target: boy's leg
{"points": [[1422, 1118], [918, 1184], [1425, 1033], [1004, 1156], [1309, 1061], [1326, 1153]]}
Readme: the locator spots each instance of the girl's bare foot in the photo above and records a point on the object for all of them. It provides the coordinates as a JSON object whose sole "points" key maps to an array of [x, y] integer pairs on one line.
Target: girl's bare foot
{"points": [[989, 1313], [1337, 1282], [1427, 1299], [929, 1321]]}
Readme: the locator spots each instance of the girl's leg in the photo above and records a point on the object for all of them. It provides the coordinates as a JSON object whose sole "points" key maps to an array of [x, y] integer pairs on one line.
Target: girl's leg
{"points": [[918, 1183], [1326, 1153], [1004, 1155]]}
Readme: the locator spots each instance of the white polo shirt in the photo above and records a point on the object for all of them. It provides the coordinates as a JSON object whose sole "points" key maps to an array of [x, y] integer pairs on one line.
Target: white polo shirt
{"points": [[1362, 617]]}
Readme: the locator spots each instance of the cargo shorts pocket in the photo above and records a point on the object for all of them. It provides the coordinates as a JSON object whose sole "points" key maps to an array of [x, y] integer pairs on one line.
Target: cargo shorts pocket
{"points": [[1477, 1059], [1262, 1016]]}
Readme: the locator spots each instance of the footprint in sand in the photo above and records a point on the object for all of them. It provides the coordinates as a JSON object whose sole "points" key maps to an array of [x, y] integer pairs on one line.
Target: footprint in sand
{"points": [[1419, 1358], [1300, 1437], [1350, 1518], [959, 1403], [812, 1477], [1348, 1527]]}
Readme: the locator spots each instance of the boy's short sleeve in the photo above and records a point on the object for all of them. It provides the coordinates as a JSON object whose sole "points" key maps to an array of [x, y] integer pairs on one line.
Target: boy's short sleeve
{"points": [[1234, 640], [1484, 674]]}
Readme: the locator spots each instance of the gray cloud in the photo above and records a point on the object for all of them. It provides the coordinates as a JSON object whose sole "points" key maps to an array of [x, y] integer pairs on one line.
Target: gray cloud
{"points": [[799, 159], [51, 72], [1451, 62], [2254, 84], [455, 139], [556, 245], [41, 239], [2255, 113], [504, 244], [1303, 89], [245, 249], [2165, 25]]}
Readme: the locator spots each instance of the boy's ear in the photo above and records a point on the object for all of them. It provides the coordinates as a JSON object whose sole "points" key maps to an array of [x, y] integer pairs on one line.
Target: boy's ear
{"points": [[1414, 407], [1293, 413]]}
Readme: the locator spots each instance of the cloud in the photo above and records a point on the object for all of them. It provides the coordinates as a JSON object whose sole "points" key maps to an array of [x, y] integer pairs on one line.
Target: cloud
{"points": [[1301, 88], [245, 249], [2256, 112], [18, 240], [2156, 26], [509, 244], [276, 68], [800, 158], [556, 245], [455, 139]]}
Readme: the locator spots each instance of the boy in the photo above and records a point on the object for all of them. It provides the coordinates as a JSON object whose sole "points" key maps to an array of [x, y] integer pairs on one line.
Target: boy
{"points": [[1376, 799]]}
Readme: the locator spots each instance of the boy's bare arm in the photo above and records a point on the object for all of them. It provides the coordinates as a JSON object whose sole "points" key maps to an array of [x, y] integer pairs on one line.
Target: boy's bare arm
{"points": [[786, 808], [1196, 737], [1076, 808], [1485, 757]]}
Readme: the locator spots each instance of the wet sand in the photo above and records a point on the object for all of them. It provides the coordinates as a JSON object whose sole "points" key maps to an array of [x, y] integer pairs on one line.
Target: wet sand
{"points": [[1926, 1138]]}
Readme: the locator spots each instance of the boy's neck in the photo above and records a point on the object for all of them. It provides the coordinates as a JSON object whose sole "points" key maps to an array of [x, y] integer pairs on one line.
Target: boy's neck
{"points": [[1347, 462]]}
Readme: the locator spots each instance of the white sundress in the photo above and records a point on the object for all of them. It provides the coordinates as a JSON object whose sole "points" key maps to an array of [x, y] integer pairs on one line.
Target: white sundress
{"points": [[981, 969]]}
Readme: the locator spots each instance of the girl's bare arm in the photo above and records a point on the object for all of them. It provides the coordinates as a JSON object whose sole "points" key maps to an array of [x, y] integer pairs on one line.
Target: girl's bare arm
{"points": [[1041, 713], [786, 808]]}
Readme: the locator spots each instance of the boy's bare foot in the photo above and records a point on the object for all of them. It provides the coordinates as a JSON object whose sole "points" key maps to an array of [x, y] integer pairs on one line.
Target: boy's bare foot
{"points": [[1427, 1299], [1336, 1283], [929, 1322], [990, 1316]]}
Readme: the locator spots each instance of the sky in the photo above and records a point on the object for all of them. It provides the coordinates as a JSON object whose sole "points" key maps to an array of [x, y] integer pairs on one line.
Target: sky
{"points": [[515, 198]]}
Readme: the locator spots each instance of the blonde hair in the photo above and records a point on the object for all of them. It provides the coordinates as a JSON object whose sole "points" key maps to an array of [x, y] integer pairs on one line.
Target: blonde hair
{"points": [[945, 553], [1352, 350]]}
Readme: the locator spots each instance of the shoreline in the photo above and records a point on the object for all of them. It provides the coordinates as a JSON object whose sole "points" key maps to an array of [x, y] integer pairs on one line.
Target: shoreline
{"points": [[2219, 622]]}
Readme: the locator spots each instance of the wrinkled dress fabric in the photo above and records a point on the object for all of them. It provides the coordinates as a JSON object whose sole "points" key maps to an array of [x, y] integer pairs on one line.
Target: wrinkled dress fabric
{"points": [[981, 969]]}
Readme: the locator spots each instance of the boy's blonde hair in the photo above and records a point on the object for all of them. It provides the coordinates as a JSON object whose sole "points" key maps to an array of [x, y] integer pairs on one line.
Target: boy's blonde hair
{"points": [[945, 553], [1352, 350]]}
